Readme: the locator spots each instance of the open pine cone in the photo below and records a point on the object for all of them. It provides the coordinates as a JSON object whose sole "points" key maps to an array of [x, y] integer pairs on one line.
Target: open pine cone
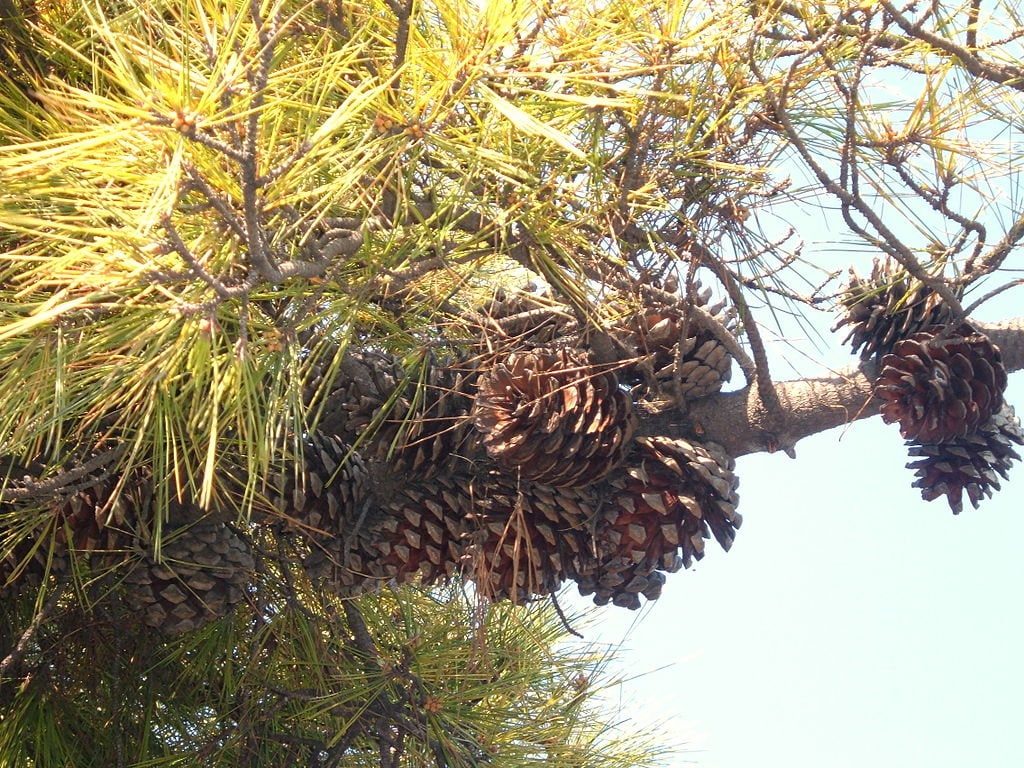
{"points": [[524, 540], [414, 419], [674, 496], [89, 526], [972, 464], [941, 387], [318, 496], [550, 417], [415, 534], [419, 431], [887, 308], [681, 358]]}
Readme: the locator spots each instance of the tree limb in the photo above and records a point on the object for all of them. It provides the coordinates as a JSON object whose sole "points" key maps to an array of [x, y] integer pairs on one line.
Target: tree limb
{"points": [[739, 421], [1011, 77]]}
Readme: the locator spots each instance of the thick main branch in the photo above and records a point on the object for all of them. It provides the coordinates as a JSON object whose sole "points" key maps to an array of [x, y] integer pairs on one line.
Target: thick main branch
{"points": [[739, 420]]}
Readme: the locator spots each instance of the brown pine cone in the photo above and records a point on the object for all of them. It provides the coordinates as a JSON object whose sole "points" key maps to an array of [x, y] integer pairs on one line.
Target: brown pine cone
{"points": [[675, 495], [414, 533], [549, 417], [973, 463], [941, 387], [318, 496], [414, 418], [91, 526], [887, 308], [200, 575], [524, 539], [666, 349]]}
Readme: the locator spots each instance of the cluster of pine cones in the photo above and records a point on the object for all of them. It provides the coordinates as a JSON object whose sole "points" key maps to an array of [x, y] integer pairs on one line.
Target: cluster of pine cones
{"points": [[198, 572], [518, 462], [513, 465], [941, 381]]}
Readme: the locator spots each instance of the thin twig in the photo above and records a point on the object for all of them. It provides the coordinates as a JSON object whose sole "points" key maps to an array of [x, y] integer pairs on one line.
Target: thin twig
{"points": [[12, 659], [1002, 74], [940, 204], [248, 162], [200, 137], [563, 619], [286, 165], [65, 481], [762, 373], [179, 247], [885, 238], [228, 215], [404, 15], [997, 255], [232, 292], [992, 294]]}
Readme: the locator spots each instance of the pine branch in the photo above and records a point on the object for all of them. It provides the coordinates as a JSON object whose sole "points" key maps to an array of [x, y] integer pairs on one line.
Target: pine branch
{"points": [[740, 422], [1002, 74]]}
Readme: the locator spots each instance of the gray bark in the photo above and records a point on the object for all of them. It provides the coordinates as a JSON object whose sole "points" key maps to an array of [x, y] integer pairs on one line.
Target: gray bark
{"points": [[742, 424]]}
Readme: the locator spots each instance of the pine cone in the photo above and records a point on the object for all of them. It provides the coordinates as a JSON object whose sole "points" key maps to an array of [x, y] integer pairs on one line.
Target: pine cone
{"points": [[887, 308], [524, 319], [941, 388], [351, 388], [973, 463], [616, 580], [658, 517], [415, 534], [549, 417], [667, 348], [88, 527], [320, 495], [526, 539], [422, 429], [421, 536], [416, 420], [201, 574]]}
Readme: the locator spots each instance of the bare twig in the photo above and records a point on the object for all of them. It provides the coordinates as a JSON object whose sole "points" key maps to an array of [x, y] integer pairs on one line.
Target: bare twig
{"points": [[11, 661], [998, 253], [227, 214], [248, 163], [940, 204], [286, 165], [197, 269], [883, 237], [233, 292], [404, 15], [992, 294], [762, 373], [66, 481], [1003, 74], [561, 615], [973, 14]]}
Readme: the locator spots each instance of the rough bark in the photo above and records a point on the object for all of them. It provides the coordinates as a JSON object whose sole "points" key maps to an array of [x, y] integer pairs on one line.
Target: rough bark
{"points": [[742, 424]]}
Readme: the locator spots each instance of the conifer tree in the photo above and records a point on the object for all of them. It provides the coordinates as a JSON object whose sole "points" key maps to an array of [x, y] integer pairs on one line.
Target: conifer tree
{"points": [[338, 337]]}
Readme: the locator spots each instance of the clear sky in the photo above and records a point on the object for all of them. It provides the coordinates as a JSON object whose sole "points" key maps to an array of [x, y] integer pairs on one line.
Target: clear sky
{"points": [[853, 624]]}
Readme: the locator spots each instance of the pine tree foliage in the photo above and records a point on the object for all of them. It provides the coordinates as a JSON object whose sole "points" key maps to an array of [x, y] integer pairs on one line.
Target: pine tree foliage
{"points": [[317, 316], [399, 678]]}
